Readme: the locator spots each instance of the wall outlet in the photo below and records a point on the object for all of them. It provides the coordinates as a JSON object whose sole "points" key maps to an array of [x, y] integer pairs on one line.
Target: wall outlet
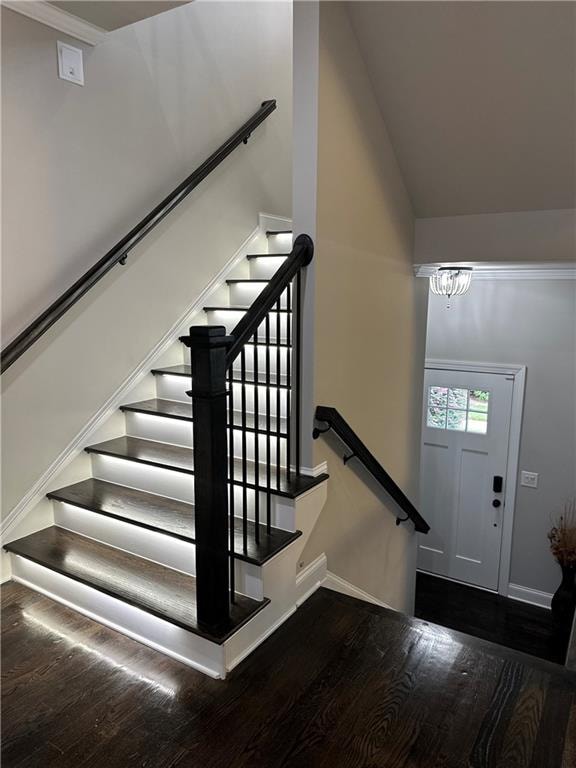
{"points": [[529, 479], [70, 64]]}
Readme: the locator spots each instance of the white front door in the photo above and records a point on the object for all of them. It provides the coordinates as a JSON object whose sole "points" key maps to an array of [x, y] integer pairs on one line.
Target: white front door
{"points": [[465, 434]]}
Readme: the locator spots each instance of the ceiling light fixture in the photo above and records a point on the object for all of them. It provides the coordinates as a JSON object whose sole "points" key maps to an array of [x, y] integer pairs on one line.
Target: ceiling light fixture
{"points": [[451, 281]]}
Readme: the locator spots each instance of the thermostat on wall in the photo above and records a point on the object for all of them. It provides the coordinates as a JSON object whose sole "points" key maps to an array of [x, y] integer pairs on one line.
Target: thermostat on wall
{"points": [[70, 64]]}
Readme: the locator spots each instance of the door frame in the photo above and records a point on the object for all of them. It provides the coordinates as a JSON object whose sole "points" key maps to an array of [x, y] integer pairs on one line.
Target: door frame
{"points": [[518, 375]]}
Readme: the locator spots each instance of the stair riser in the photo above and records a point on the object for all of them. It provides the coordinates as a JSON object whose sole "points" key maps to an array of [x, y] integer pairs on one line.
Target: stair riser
{"points": [[179, 432], [230, 319], [195, 651], [180, 485], [280, 243], [243, 294], [152, 545], [175, 388], [275, 352]]}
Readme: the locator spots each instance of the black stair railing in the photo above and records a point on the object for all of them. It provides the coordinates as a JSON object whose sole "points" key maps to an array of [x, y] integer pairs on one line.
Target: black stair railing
{"points": [[246, 407], [334, 421], [119, 253]]}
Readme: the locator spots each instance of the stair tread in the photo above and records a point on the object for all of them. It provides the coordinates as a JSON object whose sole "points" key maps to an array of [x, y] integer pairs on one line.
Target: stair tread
{"points": [[160, 591], [235, 280], [283, 310], [186, 370], [165, 515], [180, 459], [175, 409], [267, 255]]}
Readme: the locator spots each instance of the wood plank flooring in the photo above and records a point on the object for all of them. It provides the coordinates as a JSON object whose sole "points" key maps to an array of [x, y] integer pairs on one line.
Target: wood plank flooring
{"points": [[517, 625], [342, 683]]}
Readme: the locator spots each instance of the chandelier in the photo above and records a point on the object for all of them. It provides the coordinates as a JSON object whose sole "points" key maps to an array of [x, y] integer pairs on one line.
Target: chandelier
{"points": [[451, 281]]}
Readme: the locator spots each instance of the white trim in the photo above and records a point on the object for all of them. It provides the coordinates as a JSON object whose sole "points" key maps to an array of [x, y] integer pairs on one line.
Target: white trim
{"points": [[552, 271], [76, 446], [54, 17], [527, 595], [518, 373], [310, 579], [337, 584], [319, 469]]}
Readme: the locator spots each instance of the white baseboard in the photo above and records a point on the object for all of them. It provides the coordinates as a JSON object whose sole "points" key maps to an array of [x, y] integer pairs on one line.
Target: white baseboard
{"points": [[77, 445], [338, 584], [532, 596], [310, 578], [319, 469]]}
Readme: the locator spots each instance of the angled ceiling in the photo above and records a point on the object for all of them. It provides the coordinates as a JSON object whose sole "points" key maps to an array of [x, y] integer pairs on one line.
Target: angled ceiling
{"points": [[479, 100], [113, 14]]}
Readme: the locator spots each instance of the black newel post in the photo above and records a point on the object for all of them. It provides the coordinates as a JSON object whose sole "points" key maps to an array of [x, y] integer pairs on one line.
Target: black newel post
{"points": [[208, 345]]}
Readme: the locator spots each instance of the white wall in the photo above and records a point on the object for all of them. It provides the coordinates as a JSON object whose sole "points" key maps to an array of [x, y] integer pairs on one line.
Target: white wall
{"points": [[530, 322], [529, 236], [82, 165]]}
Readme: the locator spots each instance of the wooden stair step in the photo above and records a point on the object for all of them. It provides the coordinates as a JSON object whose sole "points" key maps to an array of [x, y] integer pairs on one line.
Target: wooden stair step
{"points": [[274, 311], [167, 516], [180, 459], [175, 409], [268, 255], [160, 591], [186, 370]]}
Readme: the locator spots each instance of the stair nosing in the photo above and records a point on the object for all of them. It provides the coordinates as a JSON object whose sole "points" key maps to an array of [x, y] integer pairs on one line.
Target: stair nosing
{"points": [[134, 603], [282, 310], [166, 372], [267, 255], [131, 408], [238, 555], [240, 483]]}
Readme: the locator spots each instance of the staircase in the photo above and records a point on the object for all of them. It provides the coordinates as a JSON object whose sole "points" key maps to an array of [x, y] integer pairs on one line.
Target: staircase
{"points": [[123, 547]]}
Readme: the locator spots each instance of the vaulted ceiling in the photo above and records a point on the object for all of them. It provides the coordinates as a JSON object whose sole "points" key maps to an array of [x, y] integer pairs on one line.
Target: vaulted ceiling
{"points": [[479, 100]]}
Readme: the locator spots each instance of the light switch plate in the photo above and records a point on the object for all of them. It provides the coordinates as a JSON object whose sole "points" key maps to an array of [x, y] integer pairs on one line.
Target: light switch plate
{"points": [[529, 479], [70, 64]]}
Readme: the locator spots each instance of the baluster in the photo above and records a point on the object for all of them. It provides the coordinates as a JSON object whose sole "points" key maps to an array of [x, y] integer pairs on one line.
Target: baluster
{"points": [[288, 382], [232, 531], [268, 438], [278, 391], [298, 337], [256, 407], [244, 452]]}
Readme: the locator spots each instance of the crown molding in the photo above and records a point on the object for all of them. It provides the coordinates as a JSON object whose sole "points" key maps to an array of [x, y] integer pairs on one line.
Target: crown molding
{"points": [[53, 17], [556, 271]]}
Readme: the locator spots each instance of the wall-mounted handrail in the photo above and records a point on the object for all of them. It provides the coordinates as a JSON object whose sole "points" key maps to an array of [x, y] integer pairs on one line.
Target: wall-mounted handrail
{"points": [[334, 420], [118, 254]]}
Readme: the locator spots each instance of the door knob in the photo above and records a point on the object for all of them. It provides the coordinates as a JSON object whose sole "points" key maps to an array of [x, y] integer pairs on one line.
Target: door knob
{"points": [[496, 503]]}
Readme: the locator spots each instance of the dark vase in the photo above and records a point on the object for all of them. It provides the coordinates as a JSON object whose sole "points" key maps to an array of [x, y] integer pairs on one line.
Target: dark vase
{"points": [[564, 600]]}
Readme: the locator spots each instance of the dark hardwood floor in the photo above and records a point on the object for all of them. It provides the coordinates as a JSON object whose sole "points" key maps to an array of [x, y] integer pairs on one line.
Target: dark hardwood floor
{"points": [[342, 683], [517, 625]]}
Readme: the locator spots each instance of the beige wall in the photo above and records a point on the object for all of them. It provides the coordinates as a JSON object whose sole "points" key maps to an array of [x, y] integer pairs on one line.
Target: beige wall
{"points": [[370, 323], [158, 98]]}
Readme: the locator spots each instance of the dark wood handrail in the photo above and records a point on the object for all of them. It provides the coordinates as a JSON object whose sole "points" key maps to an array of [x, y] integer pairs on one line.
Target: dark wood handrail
{"points": [[301, 256], [334, 420], [119, 252]]}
